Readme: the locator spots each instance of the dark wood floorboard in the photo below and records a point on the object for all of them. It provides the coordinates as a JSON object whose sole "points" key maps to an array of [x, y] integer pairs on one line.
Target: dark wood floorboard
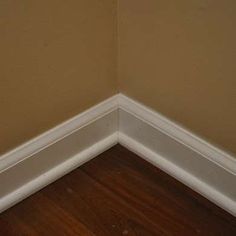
{"points": [[117, 193]]}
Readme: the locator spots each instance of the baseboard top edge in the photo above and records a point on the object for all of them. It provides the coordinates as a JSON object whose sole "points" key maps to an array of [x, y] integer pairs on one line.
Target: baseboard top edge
{"points": [[177, 132], [57, 133], [120, 101]]}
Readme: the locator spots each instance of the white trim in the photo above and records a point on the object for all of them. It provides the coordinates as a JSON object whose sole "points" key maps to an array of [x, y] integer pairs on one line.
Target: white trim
{"points": [[178, 133], [99, 125], [59, 132], [179, 173], [56, 172]]}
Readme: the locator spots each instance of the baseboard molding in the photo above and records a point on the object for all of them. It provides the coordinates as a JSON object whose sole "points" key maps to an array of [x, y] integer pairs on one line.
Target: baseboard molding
{"points": [[188, 158], [151, 136], [58, 151]]}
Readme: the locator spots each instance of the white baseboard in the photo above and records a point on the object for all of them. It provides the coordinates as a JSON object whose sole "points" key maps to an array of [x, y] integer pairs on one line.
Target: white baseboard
{"points": [[188, 158], [58, 151], [148, 134]]}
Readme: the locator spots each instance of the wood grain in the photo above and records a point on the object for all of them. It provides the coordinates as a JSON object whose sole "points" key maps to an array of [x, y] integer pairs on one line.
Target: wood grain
{"points": [[117, 193]]}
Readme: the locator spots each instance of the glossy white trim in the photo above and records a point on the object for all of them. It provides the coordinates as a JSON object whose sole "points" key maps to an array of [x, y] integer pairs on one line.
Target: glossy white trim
{"points": [[46, 145]]}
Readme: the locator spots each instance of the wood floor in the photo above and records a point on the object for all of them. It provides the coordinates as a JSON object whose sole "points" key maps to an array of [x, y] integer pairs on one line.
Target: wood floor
{"points": [[117, 193]]}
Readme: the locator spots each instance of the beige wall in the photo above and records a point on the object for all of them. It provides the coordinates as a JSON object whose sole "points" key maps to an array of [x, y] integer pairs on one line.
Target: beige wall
{"points": [[57, 58], [179, 57]]}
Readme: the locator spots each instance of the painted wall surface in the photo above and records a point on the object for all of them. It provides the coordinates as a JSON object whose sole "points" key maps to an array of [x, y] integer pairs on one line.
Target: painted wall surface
{"points": [[178, 57], [57, 58]]}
